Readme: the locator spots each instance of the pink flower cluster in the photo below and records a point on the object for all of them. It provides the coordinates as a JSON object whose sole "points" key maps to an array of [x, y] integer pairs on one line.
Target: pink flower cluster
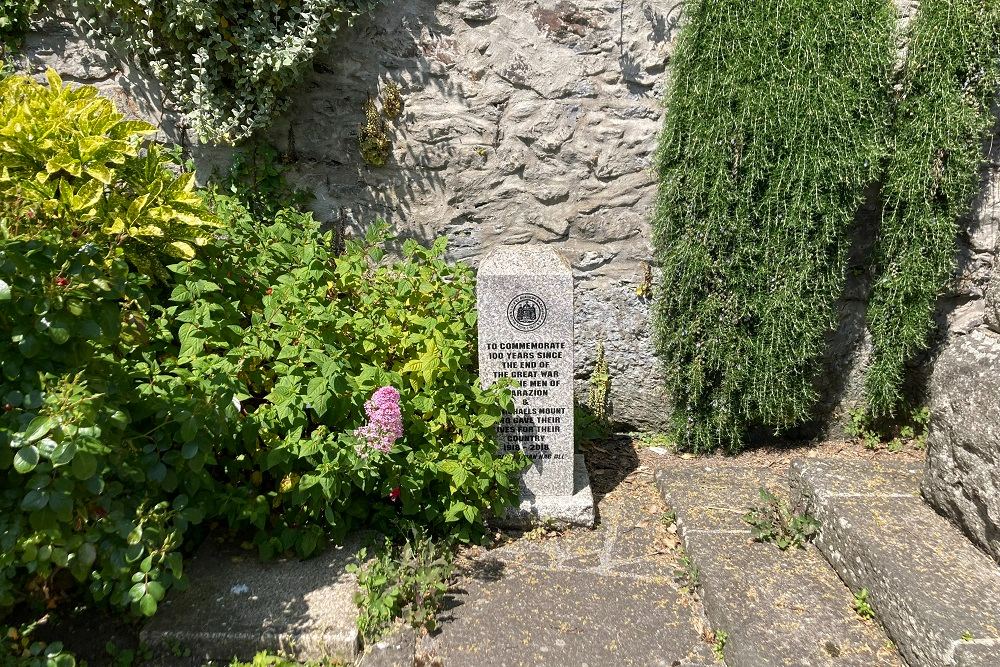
{"points": [[385, 420]]}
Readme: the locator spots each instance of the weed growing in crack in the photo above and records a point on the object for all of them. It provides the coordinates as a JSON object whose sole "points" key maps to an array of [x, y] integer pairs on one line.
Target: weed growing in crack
{"points": [[405, 581], [861, 605], [772, 520], [687, 574], [719, 645]]}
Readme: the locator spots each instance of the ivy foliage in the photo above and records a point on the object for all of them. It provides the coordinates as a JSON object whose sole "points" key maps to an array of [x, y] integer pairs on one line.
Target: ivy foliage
{"points": [[14, 22], [224, 63], [775, 123], [950, 81]]}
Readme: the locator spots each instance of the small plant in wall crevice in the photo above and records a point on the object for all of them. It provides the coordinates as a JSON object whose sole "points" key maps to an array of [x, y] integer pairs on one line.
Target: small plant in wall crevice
{"points": [[891, 434], [862, 606], [374, 140], [719, 645]]}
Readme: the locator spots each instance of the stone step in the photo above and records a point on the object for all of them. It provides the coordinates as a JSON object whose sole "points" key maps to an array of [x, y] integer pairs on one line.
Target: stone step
{"points": [[936, 594], [235, 605], [777, 608]]}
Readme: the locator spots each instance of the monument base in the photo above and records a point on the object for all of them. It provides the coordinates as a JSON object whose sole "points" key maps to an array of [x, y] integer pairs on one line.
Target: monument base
{"points": [[574, 510]]}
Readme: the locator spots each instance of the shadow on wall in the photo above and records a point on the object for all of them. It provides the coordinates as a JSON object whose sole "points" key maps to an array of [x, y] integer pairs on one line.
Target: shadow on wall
{"points": [[662, 28], [518, 127], [57, 42], [848, 346], [402, 42], [959, 311]]}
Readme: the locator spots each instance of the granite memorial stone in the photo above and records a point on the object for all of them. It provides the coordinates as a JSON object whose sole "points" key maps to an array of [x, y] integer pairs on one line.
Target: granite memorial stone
{"points": [[525, 302]]}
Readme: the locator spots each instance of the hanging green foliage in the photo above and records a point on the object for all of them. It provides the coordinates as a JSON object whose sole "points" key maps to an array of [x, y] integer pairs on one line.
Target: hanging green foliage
{"points": [[775, 123], [224, 63], [951, 78], [15, 16]]}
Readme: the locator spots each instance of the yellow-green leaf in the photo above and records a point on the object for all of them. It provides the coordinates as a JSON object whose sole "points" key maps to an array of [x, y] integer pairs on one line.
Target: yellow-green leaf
{"points": [[181, 249]]}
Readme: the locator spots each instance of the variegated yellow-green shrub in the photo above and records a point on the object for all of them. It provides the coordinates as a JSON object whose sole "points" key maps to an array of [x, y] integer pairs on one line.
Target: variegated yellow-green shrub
{"points": [[90, 214], [80, 168]]}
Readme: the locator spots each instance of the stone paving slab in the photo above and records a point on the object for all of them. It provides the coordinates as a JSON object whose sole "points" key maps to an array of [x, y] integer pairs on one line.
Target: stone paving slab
{"points": [[937, 595], [539, 617], [235, 605], [778, 608], [599, 597], [712, 497]]}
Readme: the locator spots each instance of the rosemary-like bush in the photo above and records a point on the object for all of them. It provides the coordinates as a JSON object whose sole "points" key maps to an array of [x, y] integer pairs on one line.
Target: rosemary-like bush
{"points": [[951, 78], [775, 123]]}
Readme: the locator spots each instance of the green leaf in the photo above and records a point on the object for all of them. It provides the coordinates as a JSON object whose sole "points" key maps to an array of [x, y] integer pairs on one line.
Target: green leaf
{"points": [[26, 459], [38, 428], [4, 291], [189, 430], [87, 554], [147, 605], [62, 660], [139, 588], [156, 589], [35, 499], [192, 340], [84, 465]]}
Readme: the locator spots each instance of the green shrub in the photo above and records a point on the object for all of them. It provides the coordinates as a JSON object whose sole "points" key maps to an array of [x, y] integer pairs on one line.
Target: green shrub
{"points": [[775, 121], [950, 82], [300, 340], [142, 395], [89, 215], [225, 63], [74, 167]]}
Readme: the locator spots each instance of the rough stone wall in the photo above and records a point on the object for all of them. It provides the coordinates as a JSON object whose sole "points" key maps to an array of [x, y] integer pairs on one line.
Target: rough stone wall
{"points": [[526, 122], [962, 472], [962, 475]]}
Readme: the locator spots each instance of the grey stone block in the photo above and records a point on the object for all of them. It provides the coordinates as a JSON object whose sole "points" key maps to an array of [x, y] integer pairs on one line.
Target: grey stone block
{"points": [[778, 608], [397, 649], [236, 605], [524, 297], [569, 510], [936, 594], [962, 479]]}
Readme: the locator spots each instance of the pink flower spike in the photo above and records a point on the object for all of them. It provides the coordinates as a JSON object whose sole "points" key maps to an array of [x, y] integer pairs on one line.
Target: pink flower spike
{"points": [[385, 420]]}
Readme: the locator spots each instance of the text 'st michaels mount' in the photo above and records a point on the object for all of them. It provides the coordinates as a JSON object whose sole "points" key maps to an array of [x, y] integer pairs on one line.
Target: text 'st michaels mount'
{"points": [[525, 300]]}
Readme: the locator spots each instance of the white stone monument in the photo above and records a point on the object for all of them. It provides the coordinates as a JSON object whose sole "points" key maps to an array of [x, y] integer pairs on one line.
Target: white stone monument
{"points": [[525, 302]]}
